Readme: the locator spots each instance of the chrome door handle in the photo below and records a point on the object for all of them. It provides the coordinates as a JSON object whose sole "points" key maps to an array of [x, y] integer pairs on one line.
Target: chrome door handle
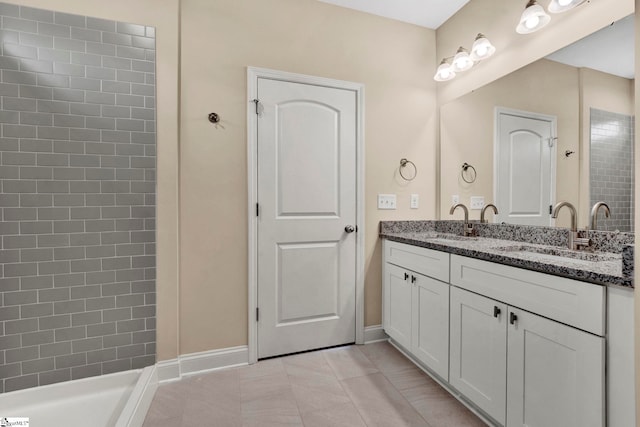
{"points": [[349, 229]]}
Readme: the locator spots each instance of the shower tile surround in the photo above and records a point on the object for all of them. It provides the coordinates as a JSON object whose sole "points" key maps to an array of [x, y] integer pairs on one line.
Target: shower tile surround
{"points": [[611, 168], [77, 169]]}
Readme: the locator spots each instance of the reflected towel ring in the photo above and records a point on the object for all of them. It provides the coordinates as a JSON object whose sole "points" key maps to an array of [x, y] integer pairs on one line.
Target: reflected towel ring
{"points": [[403, 163], [469, 170]]}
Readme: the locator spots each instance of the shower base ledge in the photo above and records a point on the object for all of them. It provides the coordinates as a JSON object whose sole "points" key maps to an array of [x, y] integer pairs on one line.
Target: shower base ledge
{"points": [[121, 399]]}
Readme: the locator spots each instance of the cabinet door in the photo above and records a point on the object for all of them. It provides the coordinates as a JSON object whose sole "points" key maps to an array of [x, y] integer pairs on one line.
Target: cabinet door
{"points": [[397, 301], [555, 374], [430, 325], [479, 351]]}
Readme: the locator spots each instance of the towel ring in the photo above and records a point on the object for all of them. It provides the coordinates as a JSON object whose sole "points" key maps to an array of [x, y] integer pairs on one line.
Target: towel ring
{"points": [[404, 163], [469, 170]]}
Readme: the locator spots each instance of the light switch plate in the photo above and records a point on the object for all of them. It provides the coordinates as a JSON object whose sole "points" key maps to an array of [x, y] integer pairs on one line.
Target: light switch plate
{"points": [[476, 202], [415, 201], [386, 201]]}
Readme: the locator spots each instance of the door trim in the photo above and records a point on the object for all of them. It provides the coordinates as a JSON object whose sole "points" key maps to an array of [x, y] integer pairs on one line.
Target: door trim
{"points": [[496, 147], [253, 74]]}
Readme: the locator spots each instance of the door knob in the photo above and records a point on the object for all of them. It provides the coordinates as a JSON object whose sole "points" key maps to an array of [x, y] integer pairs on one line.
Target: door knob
{"points": [[349, 229]]}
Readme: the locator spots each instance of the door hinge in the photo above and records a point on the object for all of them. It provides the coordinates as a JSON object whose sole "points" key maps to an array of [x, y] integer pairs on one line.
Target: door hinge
{"points": [[257, 209], [257, 314], [257, 102]]}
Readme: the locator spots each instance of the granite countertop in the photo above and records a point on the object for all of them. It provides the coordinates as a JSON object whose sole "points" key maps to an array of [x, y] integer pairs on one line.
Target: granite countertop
{"points": [[598, 267]]}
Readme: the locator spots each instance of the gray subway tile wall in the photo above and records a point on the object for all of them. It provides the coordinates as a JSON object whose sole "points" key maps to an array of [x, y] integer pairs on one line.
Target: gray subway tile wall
{"points": [[77, 207], [611, 169]]}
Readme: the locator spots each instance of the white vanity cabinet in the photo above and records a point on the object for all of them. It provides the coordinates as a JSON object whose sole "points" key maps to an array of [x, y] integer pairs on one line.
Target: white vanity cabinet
{"points": [[523, 369], [479, 351], [525, 348], [555, 373], [416, 307], [552, 372]]}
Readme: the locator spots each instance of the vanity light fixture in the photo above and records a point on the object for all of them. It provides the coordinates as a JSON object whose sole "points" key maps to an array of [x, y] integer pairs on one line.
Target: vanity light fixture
{"points": [[482, 48], [445, 72], [533, 18], [559, 6], [462, 61]]}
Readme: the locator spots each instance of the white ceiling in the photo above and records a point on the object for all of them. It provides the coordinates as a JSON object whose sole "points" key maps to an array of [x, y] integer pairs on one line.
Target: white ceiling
{"points": [[610, 50], [426, 13]]}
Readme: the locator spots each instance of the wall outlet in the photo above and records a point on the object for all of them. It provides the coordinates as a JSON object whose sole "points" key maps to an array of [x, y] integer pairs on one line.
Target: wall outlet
{"points": [[386, 201], [415, 201], [455, 199], [476, 202]]}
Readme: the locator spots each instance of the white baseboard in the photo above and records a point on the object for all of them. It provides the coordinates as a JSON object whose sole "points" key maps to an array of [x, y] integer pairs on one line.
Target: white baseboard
{"points": [[374, 334], [198, 363], [168, 370]]}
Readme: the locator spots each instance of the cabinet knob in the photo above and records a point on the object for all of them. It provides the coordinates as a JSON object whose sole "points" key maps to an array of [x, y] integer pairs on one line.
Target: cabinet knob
{"points": [[406, 276], [513, 318], [413, 279], [496, 311]]}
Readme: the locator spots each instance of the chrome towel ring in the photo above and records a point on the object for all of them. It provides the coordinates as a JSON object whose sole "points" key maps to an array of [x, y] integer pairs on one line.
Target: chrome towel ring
{"points": [[468, 173], [403, 164]]}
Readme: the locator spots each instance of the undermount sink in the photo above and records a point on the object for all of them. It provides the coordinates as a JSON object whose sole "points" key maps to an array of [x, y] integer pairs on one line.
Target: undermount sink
{"points": [[560, 253]]}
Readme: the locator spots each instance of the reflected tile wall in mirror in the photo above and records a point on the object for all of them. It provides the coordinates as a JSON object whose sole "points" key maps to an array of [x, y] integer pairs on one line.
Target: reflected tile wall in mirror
{"points": [[611, 177]]}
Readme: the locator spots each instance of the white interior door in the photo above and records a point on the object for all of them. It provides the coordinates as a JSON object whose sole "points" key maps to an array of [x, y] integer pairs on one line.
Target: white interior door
{"points": [[525, 167], [307, 197]]}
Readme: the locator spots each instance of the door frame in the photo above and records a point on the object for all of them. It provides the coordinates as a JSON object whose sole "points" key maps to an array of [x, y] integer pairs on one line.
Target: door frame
{"points": [[253, 74], [496, 147]]}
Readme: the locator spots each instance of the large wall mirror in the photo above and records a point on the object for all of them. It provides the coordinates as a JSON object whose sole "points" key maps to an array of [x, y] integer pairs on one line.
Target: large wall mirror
{"points": [[558, 129]]}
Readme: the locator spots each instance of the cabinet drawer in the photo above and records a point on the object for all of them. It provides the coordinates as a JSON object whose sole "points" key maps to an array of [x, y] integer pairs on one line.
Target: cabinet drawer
{"points": [[421, 260], [574, 303]]}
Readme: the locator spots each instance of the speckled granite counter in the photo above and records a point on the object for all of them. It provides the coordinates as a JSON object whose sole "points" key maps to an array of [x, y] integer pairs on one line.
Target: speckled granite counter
{"points": [[540, 249]]}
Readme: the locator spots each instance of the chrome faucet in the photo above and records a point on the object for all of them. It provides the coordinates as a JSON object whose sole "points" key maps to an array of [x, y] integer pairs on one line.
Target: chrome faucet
{"points": [[594, 213], [468, 228], [484, 209], [574, 242]]}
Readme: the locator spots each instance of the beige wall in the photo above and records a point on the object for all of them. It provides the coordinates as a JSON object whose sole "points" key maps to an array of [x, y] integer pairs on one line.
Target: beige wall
{"points": [[497, 19], [164, 17], [467, 130], [219, 40]]}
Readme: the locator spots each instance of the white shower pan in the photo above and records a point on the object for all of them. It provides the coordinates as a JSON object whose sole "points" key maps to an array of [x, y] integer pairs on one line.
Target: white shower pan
{"points": [[114, 400]]}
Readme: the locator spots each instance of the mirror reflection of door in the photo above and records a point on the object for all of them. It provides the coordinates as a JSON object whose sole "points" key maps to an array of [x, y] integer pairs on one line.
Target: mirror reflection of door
{"points": [[524, 175]]}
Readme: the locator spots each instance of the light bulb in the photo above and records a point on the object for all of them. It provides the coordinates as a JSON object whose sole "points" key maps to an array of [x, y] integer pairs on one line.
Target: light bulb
{"points": [[559, 6], [462, 61], [444, 72], [532, 22], [482, 48], [533, 18]]}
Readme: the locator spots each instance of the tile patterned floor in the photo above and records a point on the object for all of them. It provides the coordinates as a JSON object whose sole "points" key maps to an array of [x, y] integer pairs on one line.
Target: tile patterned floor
{"points": [[371, 385]]}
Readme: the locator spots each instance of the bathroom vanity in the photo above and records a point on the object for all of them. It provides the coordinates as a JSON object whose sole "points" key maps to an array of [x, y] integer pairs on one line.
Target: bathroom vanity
{"points": [[524, 333]]}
